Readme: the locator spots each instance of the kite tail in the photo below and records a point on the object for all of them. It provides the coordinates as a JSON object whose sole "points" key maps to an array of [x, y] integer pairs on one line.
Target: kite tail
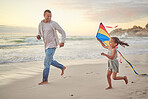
{"points": [[111, 27], [131, 65]]}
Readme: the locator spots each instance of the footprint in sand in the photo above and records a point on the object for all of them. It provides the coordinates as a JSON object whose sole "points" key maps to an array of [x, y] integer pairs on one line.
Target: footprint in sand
{"points": [[71, 95], [140, 92], [66, 77], [132, 82], [126, 66], [129, 97], [137, 93], [89, 73]]}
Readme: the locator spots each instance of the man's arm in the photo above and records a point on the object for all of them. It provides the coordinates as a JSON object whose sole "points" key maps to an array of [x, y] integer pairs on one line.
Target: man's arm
{"points": [[62, 32], [39, 32]]}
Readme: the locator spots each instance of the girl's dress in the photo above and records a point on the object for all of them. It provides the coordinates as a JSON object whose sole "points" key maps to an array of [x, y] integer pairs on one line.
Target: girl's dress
{"points": [[113, 65]]}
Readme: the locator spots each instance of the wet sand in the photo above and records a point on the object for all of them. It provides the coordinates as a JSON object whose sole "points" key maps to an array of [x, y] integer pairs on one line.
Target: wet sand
{"points": [[83, 79]]}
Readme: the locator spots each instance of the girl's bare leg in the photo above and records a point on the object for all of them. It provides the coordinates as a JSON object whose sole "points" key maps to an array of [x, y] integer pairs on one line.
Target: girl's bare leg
{"points": [[119, 78], [109, 79]]}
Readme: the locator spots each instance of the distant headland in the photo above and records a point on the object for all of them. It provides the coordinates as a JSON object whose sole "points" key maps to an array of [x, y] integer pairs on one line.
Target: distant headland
{"points": [[134, 31]]}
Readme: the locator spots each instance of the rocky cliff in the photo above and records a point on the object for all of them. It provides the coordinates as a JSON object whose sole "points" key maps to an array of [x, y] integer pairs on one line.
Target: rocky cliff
{"points": [[134, 31]]}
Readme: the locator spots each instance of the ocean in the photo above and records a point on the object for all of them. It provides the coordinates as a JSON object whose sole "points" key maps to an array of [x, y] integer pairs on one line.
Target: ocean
{"points": [[21, 47]]}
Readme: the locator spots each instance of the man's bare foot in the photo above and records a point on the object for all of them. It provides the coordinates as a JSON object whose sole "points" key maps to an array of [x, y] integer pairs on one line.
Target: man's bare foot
{"points": [[63, 71], [43, 82], [126, 80], [108, 88]]}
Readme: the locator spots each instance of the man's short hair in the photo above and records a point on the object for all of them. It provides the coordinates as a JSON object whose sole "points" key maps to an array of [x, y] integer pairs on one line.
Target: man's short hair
{"points": [[47, 11]]}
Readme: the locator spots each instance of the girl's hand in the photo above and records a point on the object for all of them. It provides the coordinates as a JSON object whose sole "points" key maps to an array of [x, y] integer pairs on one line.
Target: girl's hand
{"points": [[98, 40], [103, 45], [102, 53]]}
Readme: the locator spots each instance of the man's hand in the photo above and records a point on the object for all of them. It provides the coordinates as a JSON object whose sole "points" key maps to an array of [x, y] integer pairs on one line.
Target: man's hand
{"points": [[38, 37], [61, 44]]}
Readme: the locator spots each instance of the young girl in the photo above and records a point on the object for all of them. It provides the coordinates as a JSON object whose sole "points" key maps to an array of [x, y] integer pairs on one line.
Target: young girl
{"points": [[113, 64]]}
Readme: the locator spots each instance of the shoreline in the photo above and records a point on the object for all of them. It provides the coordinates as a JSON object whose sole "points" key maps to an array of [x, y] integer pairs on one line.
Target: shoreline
{"points": [[18, 71], [80, 81], [26, 70]]}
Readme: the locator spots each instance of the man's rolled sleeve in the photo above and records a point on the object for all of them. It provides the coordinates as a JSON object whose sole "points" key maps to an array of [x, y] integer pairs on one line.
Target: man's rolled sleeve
{"points": [[61, 31]]}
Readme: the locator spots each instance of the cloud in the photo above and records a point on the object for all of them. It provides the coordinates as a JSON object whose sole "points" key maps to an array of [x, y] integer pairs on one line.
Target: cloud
{"points": [[70, 4], [107, 10], [16, 29], [119, 12]]}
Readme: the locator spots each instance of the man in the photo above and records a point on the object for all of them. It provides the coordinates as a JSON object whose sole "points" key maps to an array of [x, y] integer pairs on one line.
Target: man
{"points": [[47, 30]]}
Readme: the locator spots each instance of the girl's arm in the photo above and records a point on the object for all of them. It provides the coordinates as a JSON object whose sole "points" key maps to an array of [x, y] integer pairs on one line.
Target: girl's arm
{"points": [[112, 56], [103, 45]]}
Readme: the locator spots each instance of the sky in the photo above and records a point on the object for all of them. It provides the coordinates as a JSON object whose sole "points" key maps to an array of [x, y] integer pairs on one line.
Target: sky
{"points": [[76, 17]]}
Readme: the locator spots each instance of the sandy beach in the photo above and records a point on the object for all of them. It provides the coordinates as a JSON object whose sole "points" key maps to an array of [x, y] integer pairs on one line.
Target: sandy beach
{"points": [[83, 79], [81, 35]]}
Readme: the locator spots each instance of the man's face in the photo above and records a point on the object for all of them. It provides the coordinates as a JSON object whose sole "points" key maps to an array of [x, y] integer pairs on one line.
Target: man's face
{"points": [[47, 16]]}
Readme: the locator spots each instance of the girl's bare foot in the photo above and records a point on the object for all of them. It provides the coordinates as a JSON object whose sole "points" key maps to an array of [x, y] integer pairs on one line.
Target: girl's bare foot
{"points": [[126, 80], [108, 88], [63, 71], [43, 82]]}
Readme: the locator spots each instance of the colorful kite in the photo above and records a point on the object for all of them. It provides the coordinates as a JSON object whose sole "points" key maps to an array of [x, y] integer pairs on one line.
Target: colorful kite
{"points": [[104, 36]]}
